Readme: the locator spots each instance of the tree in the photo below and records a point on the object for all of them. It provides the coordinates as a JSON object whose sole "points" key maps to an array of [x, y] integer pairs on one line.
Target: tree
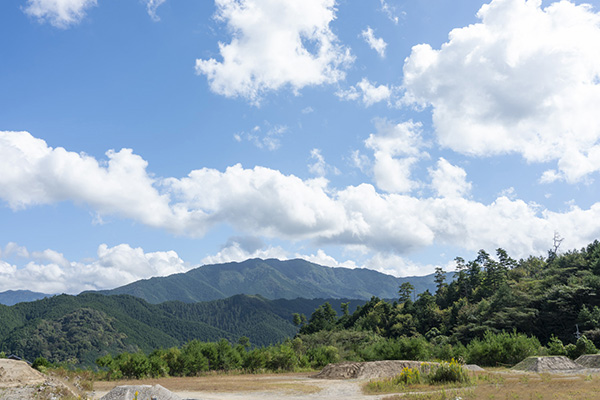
{"points": [[440, 280], [405, 291]]}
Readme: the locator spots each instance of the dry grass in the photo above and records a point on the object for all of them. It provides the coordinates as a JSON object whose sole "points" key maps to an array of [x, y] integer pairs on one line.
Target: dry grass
{"points": [[511, 386], [222, 383]]}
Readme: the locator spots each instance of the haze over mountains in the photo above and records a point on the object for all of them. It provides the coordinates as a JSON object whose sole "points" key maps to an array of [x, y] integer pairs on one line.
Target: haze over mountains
{"points": [[272, 279]]}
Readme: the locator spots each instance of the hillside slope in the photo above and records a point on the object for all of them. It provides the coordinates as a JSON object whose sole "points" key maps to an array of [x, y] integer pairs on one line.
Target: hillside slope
{"points": [[84, 327], [272, 279]]}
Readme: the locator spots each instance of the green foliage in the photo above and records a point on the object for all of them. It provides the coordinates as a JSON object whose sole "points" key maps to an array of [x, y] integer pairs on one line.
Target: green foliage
{"points": [[449, 372], [581, 347], [502, 348], [556, 347], [41, 364], [321, 356], [402, 348]]}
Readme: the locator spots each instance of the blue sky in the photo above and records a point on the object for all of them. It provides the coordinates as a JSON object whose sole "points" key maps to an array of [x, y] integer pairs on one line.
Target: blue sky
{"points": [[141, 138]]}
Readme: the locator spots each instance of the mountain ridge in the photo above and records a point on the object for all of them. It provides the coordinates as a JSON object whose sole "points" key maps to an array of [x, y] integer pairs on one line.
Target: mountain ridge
{"points": [[272, 279]]}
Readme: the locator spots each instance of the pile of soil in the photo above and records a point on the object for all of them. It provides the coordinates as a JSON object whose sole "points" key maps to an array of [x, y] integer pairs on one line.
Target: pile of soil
{"points": [[547, 364], [15, 373], [128, 392], [369, 370], [589, 361]]}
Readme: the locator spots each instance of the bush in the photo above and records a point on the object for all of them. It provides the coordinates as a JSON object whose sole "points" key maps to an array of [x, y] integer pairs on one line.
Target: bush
{"points": [[452, 372], [583, 346], [283, 358], [41, 364], [321, 356], [556, 347], [502, 348], [402, 348], [255, 360]]}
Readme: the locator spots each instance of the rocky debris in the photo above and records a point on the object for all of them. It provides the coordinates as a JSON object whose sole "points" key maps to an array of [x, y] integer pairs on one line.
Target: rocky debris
{"points": [[369, 370], [474, 368], [144, 392], [589, 360], [547, 364], [15, 373]]}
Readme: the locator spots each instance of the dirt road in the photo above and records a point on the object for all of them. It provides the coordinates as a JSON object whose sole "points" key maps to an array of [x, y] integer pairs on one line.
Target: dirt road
{"points": [[259, 387]]}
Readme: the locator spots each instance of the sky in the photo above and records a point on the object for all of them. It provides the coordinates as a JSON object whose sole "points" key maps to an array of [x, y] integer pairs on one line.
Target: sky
{"points": [[143, 138]]}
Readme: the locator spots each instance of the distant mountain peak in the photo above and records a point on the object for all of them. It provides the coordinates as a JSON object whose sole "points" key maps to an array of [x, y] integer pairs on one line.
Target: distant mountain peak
{"points": [[272, 279]]}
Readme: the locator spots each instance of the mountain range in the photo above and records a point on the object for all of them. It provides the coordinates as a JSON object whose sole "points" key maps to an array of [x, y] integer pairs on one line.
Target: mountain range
{"points": [[272, 279]]}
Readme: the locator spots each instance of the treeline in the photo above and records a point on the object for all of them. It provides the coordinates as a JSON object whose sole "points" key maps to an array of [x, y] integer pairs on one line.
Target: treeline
{"points": [[196, 357], [544, 297]]}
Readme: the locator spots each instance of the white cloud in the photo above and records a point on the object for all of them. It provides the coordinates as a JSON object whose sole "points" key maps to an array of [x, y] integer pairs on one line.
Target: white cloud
{"points": [[397, 147], [275, 44], [448, 180], [367, 92], [283, 206], [151, 6], [59, 13], [319, 167], [114, 266], [235, 252], [271, 140], [377, 44], [33, 173], [389, 11], [523, 80]]}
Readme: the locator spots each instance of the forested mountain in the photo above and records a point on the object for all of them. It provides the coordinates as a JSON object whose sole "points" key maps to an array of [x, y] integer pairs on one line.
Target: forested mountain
{"points": [[272, 279], [12, 297], [82, 328]]}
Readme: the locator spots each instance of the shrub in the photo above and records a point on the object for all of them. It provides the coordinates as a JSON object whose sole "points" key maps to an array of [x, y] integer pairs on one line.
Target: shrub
{"points": [[402, 348], [283, 357], [502, 348], [581, 347], [41, 364], [321, 356], [452, 372], [556, 347], [255, 360]]}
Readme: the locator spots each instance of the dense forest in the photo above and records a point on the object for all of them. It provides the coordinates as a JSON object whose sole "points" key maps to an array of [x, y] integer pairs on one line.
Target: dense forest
{"points": [[79, 329], [545, 297]]}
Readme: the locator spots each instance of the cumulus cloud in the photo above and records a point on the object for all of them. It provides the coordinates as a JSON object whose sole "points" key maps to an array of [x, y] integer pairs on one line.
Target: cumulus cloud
{"points": [[448, 180], [59, 13], [396, 147], [275, 44], [523, 80], [267, 203], [34, 173], [367, 92], [377, 44], [50, 272]]}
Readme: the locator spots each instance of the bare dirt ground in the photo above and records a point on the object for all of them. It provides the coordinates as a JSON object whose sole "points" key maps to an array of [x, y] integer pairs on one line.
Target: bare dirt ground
{"points": [[295, 386]]}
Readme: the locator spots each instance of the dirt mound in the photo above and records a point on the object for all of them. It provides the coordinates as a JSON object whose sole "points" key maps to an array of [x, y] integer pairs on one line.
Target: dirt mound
{"points": [[589, 360], [144, 392], [547, 364], [473, 367], [369, 370], [15, 373]]}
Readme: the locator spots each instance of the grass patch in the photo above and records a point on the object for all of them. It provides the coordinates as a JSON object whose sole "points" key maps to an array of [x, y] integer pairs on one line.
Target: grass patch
{"points": [[507, 386], [451, 374]]}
